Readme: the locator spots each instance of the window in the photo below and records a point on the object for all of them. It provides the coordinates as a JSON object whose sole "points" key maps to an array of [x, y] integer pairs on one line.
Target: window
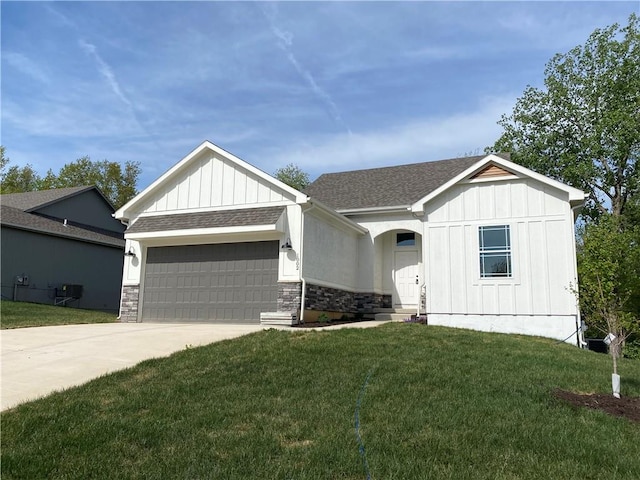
{"points": [[405, 239], [495, 251]]}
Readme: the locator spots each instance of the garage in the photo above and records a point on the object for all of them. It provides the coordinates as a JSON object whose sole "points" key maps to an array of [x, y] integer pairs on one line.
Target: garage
{"points": [[219, 283]]}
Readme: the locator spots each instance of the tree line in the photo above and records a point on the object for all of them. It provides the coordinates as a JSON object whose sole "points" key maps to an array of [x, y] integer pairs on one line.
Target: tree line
{"points": [[117, 182]]}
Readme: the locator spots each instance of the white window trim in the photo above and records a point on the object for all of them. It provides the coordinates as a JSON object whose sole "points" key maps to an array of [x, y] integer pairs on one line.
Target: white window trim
{"points": [[510, 279]]}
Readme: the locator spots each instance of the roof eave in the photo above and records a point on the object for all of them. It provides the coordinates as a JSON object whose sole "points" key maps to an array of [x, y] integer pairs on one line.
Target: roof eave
{"points": [[62, 235], [374, 210], [337, 216]]}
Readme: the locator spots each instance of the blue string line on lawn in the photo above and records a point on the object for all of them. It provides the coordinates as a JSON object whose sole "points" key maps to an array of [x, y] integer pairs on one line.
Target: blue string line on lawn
{"points": [[361, 449]]}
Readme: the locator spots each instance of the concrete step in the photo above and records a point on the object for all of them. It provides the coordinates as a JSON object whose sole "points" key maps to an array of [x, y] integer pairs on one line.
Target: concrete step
{"points": [[394, 317], [409, 311]]}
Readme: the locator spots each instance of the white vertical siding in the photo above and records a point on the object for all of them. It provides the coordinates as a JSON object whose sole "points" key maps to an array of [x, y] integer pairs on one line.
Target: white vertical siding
{"points": [[457, 264], [212, 181], [438, 254], [541, 226]]}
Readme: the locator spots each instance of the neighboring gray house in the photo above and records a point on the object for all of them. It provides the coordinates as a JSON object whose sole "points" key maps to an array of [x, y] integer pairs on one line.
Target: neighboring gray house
{"points": [[61, 246]]}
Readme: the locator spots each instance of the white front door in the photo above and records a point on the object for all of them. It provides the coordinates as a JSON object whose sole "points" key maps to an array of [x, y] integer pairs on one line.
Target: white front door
{"points": [[405, 275]]}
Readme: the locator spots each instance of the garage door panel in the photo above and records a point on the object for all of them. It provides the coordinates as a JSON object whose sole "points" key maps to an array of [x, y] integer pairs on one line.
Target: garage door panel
{"points": [[211, 283]]}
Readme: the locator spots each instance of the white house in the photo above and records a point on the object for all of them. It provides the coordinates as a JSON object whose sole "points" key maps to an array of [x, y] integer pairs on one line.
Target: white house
{"points": [[474, 242]]}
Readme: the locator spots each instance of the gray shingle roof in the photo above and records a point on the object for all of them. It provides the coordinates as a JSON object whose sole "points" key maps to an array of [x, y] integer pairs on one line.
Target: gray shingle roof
{"points": [[29, 201], [388, 186], [16, 218], [225, 218]]}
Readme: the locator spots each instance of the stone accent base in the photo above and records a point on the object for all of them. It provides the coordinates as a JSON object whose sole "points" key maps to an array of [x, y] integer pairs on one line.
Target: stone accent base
{"points": [[289, 296], [129, 303], [367, 302], [336, 300]]}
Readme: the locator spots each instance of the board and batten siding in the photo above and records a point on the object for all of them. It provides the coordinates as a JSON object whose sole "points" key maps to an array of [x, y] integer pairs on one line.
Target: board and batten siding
{"points": [[543, 258], [212, 182]]}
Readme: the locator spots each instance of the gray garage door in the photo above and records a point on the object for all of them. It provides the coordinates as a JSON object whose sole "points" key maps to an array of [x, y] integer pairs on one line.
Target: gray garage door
{"points": [[223, 283]]}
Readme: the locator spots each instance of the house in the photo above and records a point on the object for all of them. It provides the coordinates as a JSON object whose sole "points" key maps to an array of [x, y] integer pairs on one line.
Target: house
{"points": [[475, 242], [61, 247]]}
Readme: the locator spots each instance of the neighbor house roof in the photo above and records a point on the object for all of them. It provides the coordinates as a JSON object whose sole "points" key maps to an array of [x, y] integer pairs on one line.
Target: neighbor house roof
{"points": [[387, 186], [16, 218], [29, 201], [224, 218]]}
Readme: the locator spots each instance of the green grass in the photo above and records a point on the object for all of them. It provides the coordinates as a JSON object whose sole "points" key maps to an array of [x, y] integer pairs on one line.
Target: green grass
{"points": [[440, 404], [22, 314]]}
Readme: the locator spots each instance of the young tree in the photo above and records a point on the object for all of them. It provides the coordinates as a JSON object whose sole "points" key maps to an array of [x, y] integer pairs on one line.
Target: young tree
{"points": [[293, 176], [609, 271], [584, 127]]}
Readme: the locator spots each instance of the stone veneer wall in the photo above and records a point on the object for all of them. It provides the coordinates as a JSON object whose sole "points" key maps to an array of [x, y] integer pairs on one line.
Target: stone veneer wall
{"points": [[129, 303], [289, 296], [335, 300]]}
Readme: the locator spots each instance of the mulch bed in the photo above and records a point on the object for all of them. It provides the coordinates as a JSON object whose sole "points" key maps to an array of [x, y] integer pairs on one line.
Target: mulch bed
{"points": [[625, 407]]}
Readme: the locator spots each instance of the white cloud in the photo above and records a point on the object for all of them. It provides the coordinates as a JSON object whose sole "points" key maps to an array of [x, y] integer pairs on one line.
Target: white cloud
{"points": [[285, 43], [26, 66], [419, 140], [105, 70]]}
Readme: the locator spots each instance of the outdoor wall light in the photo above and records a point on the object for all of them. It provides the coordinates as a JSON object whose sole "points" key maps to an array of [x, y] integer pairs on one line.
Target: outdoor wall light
{"points": [[130, 253], [287, 245]]}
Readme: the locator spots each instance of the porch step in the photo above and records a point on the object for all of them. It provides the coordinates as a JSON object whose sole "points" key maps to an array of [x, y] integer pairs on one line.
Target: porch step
{"points": [[394, 317], [394, 310], [394, 314], [278, 318]]}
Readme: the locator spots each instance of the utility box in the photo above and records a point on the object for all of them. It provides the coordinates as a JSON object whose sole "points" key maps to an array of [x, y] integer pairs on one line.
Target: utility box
{"points": [[73, 291]]}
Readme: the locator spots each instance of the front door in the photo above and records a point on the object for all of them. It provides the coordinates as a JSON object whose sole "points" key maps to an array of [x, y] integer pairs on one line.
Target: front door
{"points": [[405, 278]]}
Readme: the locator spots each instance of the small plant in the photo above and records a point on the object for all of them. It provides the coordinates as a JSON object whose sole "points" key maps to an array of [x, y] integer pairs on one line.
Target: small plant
{"points": [[323, 318]]}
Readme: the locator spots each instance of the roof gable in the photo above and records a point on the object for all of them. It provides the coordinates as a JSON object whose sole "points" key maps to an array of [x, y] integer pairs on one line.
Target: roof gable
{"points": [[209, 178], [510, 169]]}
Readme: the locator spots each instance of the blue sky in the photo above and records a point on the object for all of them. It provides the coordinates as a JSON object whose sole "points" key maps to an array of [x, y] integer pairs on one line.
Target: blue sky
{"points": [[328, 86]]}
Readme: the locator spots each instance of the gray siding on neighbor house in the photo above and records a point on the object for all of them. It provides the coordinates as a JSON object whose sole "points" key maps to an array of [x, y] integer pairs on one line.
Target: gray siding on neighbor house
{"points": [[52, 261], [88, 208]]}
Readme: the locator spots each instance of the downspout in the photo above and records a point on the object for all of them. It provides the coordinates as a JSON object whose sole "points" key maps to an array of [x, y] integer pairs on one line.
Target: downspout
{"points": [[580, 332], [300, 260]]}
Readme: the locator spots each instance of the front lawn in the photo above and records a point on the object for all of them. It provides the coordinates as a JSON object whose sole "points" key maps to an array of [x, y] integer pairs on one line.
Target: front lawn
{"points": [[23, 314], [430, 402]]}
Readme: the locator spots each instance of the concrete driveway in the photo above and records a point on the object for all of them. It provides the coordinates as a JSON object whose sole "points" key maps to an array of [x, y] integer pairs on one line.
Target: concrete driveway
{"points": [[40, 360]]}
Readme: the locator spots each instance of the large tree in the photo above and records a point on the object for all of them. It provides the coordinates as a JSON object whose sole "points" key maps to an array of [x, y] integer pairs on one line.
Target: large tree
{"points": [[293, 176], [583, 128], [117, 182]]}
